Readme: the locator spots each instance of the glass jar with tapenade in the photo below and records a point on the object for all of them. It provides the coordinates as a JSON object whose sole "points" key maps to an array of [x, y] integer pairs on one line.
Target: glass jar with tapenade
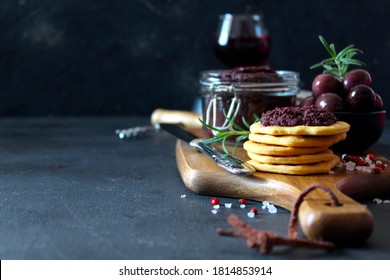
{"points": [[240, 95]]}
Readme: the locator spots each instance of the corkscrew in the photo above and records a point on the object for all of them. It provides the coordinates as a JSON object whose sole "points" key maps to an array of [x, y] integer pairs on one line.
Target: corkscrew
{"points": [[187, 119]]}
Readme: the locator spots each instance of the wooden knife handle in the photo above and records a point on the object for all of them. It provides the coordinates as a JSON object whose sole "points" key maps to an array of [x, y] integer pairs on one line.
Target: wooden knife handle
{"points": [[189, 120]]}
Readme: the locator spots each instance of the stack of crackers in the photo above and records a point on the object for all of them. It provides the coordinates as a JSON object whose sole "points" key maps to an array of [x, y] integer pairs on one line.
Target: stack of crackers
{"points": [[295, 150]]}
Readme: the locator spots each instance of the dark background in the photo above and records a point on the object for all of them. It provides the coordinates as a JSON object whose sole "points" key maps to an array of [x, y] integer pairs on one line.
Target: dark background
{"points": [[128, 57]]}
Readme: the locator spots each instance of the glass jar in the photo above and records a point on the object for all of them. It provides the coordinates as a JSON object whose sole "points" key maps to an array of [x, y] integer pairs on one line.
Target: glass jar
{"points": [[241, 96]]}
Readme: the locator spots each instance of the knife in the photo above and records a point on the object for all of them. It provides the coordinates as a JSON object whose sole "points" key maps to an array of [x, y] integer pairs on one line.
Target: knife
{"points": [[227, 162]]}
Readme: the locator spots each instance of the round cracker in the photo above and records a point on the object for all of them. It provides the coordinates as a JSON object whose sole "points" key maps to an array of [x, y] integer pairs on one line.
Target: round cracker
{"points": [[264, 149], [301, 159], [297, 140], [303, 169], [336, 128]]}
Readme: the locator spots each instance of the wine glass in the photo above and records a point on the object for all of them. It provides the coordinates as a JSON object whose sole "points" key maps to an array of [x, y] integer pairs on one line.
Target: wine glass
{"points": [[241, 40]]}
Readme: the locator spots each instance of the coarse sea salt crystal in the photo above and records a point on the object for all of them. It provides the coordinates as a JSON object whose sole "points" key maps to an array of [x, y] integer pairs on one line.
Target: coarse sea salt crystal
{"points": [[214, 211], [272, 209], [378, 200], [386, 201], [265, 204], [364, 169], [183, 196], [228, 205], [251, 214], [350, 166], [216, 206], [331, 172], [242, 205]]}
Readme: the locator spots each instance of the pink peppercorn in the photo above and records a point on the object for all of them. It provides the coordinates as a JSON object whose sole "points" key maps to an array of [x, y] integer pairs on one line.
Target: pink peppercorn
{"points": [[380, 164], [242, 201], [378, 170], [214, 201], [370, 156]]}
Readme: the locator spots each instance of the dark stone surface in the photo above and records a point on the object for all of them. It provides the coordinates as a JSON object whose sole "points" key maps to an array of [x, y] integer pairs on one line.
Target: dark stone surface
{"points": [[129, 57], [70, 189]]}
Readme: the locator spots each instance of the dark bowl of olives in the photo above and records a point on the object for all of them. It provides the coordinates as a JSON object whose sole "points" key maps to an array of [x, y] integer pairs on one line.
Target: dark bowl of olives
{"points": [[366, 129], [351, 96], [353, 100]]}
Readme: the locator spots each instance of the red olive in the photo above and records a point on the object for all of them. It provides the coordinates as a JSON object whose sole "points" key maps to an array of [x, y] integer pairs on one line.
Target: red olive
{"points": [[378, 102], [362, 98], [327, 83], [356, 77], [307, 101], [329, 102]]}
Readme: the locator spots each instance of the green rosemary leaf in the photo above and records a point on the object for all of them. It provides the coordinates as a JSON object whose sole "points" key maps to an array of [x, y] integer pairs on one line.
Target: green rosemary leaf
{"points": [[338, 63], [241, 138], [316, 65], [213, 140], [209, 126], [237, 127], [345, 51], [351, 61], [232, 125], [247, 125], [330, 50], [235, 148], [223, 144], [344, 71], [333, 48], [352, 53], [332, 71], [230, 120], [223, 135], [329, 61], [328, 67]]}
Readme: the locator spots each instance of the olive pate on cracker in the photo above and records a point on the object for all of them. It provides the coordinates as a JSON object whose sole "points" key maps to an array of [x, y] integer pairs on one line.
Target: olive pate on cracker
{"points": [[290, 129]]}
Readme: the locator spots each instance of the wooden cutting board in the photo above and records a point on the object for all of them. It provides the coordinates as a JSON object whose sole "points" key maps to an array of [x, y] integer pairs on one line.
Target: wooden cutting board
{"points": [[351, 222]]}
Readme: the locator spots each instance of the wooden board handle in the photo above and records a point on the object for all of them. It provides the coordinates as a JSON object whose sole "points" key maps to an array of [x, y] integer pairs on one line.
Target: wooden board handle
{"points": [[349, 223]]}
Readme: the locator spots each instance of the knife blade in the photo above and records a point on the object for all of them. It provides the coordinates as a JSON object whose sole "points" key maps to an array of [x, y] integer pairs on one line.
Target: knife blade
{"points": [[227, 162]]}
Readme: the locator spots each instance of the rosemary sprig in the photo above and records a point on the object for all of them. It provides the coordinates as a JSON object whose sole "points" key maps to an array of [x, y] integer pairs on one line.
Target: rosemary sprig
{"points": [[338, 62], [241, 133]]}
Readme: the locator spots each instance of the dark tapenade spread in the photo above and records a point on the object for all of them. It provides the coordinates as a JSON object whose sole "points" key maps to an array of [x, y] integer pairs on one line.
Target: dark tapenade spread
{"points": [[293, 116], [250, 74]]}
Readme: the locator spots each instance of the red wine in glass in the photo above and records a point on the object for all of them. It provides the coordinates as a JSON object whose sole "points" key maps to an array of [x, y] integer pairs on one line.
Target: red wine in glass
{"points": [[242, 40]]}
